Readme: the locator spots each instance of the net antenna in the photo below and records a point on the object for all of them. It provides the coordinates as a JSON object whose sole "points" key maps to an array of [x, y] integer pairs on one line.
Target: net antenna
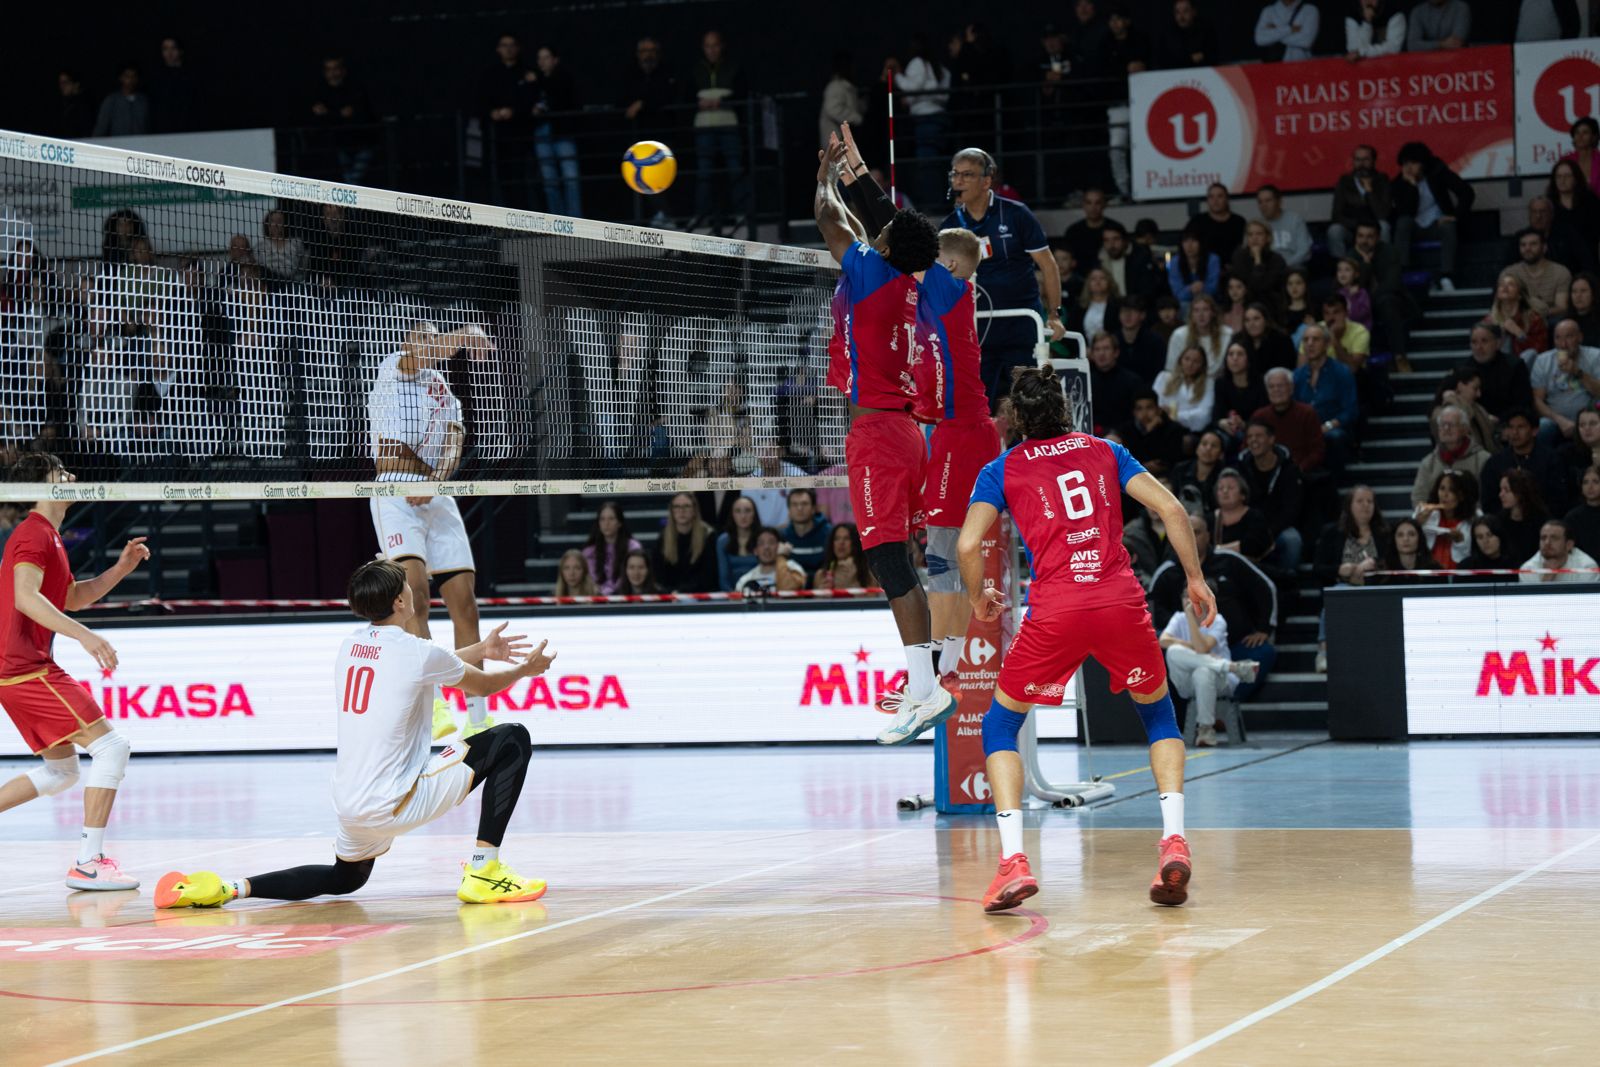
{"points": [[193, 331]]}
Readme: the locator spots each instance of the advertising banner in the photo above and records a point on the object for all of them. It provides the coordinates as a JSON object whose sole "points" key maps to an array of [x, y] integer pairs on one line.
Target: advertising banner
{"points": [[656, 677], [1557, 83], [1294, 124], [1502, 664]]}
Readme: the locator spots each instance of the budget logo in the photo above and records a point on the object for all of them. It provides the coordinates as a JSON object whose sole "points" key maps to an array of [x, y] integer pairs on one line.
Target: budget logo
{"points": [[1547, 676], [852, 684], [1568, 90], [1182, 122]]}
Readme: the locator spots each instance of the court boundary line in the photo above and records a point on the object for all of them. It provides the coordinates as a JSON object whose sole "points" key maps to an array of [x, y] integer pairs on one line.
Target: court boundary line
{"points": [[1284, 1003], [468, 950], [1187, 778]]}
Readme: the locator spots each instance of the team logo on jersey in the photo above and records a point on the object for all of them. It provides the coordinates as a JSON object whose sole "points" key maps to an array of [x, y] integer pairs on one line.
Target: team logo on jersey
{"points": [[1044, 502], [1050, 691], [1086, 559], [1078, 537], [1138, 676]]}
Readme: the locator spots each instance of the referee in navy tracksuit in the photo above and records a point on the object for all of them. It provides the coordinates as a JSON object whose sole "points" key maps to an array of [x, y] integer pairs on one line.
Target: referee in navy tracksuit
{"points": [[1017, 269]]}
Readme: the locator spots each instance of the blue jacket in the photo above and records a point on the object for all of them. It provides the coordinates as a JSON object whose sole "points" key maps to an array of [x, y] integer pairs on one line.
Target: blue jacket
{"points": [[1180, 288], [1335, 394], [730, 566]]}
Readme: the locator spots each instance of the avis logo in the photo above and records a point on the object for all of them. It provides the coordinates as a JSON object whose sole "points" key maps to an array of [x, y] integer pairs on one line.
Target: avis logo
{"points": [[976, 786], [980, 651], [858, 684], [1182, 122], [1557, 676]]}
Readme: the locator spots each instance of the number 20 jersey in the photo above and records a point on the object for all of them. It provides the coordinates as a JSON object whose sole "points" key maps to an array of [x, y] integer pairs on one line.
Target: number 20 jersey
{"points": [[1065, 497]]}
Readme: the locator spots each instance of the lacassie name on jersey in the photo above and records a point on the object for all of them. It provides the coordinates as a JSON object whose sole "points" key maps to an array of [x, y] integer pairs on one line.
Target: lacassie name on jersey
{"points": [[1058, 447]]}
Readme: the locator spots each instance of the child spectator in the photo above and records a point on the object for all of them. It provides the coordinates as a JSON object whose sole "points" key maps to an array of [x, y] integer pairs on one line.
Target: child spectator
{"points": [[1348, 276]]}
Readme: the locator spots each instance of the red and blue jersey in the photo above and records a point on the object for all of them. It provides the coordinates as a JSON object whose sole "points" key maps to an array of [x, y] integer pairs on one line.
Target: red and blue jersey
{"points": [[950, 380], [876, 366], [1065, 496]]}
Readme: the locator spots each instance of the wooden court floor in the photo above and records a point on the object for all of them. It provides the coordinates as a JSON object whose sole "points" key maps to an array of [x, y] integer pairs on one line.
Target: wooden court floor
{"points": [[1449, 918]]}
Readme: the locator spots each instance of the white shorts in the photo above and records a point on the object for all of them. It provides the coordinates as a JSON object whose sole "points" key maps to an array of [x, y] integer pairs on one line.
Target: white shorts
{"points": [[432, 532], [443, 784]]}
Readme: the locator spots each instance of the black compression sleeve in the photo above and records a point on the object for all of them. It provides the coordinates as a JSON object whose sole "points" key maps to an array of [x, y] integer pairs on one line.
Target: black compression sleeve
{"points": [[869, 203]]}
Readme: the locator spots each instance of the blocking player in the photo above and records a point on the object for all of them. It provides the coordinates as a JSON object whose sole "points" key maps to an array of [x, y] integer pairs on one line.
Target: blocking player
{"points": [[54, 714], [417, 436], [884, 451], [384, 782], [1063, 491]]}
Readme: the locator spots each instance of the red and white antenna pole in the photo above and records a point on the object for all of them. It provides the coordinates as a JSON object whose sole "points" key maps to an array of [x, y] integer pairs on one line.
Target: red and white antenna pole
{"points": [[893, 198]]}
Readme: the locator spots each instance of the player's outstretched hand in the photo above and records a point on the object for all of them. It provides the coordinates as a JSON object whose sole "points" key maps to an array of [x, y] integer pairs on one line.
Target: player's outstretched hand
{"points": [[988, 604], [134, 553], [100, 651], [852, 153], [507, 648], [537, 662], [830, 159], [1205, 603]]}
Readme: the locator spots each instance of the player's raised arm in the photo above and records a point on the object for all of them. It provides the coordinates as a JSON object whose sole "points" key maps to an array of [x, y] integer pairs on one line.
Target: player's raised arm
{"points": [[82, 594], [987, 601], [481, 683], [1152, 494], [833, 218]]}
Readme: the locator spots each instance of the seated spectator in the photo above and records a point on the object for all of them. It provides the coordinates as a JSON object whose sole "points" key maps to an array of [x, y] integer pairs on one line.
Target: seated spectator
{"points": [[1297, 310], [1289, 236], [1112, 387], [1565, 381], [846, 566], [1351, 345], [1096, 308], [1276, 490], [807, 533], [1199, 668], [1347, 277], [1192, 271], [573, 577], [685, 555], [609, 544], [1584, 520], [1150, 437], [1405, 551], [1133, 270], [1186, 41], [1437, 25], [279, 255], [1169, 316], [1267, 345], [1557, 552], [1235, 301], [1429, 198], [1522, 513], [1329, 387], [1456, 451], [1583, 451], [1186, 394], [774, 569], [1504, 374], [1586, 151], [1085, 239], [736, 544], [1392, 304], [1246, 598], [1372, 29], [1563, 245], [1523, 452], [1239, 395], [1488, 551], [1260, 268], [1522, 330], [1577, 208], [334, 256], [636, 577], [1294, 424], [1463, 387], [1143, 350], [1361, 195], [1221, 231], [1239, 527], [1347, 551], [1544, 281], [1583, 309], [1203, 328], [1195, 479], [1447, 515], [1286, 30]]}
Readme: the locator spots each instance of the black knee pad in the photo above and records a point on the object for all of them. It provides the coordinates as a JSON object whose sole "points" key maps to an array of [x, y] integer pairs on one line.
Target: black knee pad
{"points": [[351, 876], [506, 743], [891, 565]]}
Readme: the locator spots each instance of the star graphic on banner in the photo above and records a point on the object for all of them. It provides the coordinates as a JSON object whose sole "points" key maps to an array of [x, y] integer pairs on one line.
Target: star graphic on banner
{"points": [[862, 654], [1548, 643], [106, 672]]}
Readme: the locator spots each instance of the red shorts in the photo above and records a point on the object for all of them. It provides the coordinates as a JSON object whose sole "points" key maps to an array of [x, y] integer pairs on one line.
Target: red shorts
{"points": [[958, 451], [885, 459], [1051, 646], [48, 706]]}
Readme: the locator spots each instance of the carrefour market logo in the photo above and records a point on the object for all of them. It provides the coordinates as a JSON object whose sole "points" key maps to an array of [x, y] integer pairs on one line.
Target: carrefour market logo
{"points": [[1550, 674], [1182, 122], [1567, 91]]}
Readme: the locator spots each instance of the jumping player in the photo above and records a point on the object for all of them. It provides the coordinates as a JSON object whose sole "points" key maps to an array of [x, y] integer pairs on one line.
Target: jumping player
{"points": [[884, 450], [417, 436], [1063, 492], [384, 783], [55, 714]]}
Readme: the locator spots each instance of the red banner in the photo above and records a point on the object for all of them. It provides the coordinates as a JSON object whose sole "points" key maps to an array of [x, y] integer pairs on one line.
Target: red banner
{"points": [[960, 781]]}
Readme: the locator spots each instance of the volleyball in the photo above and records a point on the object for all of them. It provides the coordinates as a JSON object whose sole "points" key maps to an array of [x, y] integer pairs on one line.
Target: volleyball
{"points": [[649, 167]]}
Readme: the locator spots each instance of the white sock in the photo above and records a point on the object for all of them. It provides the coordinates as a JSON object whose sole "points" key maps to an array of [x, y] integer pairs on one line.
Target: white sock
{"points": [[91, 843], [1010, 831], [919, 671], [241, 887], [950, 653], [483, 854], [1171, 814], [477, 710]]}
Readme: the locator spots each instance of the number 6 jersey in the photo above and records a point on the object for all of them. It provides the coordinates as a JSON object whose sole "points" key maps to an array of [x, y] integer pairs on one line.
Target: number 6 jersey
{"points": [[1065, 496]]}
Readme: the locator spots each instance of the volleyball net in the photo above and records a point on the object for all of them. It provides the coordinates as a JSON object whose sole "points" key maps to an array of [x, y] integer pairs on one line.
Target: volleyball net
{"points": [[186, 330]]}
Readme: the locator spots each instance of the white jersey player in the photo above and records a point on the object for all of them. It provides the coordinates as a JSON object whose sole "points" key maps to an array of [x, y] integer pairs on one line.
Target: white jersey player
{"points": [[386, 782], [417, 436]]}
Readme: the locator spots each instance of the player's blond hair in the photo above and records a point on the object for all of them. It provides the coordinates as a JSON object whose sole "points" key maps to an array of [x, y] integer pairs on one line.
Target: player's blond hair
{"points": [[963, 244]]}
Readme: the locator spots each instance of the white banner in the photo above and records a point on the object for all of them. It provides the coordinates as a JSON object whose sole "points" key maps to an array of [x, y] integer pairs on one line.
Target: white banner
{"points": [[661, 677], [1502, 664], [1189, 128], [1557, 83]]}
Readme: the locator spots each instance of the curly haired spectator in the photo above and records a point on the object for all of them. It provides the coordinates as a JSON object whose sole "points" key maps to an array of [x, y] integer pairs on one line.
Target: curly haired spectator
{"points": [[1522, 329], [1406, 551], [636, 577], [1447, 515], [1204, 328], [685, 557], [609, 543], [846, 566], [573, 577], [1348, 550], [736, 544]]}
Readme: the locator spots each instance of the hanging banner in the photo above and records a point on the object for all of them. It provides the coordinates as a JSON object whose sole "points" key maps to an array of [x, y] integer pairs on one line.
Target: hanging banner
{"points": [[1557, 83]]}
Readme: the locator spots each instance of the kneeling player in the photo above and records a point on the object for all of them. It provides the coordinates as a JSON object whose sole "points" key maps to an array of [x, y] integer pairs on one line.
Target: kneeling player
{"points": [[384, 783], [1062, 489]]}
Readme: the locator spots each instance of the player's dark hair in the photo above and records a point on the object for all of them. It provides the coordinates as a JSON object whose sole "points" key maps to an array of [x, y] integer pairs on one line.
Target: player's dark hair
{"points": [[374, 587], [913, 242], [33, 467], [1038, 406]]}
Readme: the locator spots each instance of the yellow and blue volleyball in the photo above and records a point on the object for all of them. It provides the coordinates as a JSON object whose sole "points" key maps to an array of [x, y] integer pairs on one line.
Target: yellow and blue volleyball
{"points": [[649, 167]]}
